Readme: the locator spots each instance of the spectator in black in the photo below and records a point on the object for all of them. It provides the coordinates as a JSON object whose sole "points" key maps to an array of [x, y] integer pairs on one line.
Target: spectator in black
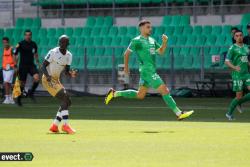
{"points": [[246, 39], [27, 51], [233, 30]]}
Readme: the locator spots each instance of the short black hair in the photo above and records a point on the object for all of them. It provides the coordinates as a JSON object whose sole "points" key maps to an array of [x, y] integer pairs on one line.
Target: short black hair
{"points": [[28, 30], [143, 22], [234, 28], [238, 31], [5, 39]]}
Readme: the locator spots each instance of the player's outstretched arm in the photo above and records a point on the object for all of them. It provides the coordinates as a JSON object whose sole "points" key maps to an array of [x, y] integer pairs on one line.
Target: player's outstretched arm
{"points": [[163, 46]]}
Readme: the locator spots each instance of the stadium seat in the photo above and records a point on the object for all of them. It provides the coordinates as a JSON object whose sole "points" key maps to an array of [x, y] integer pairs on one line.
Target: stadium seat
{"points": [[99, 21], [166, 21], [28, 22], [116, 41], [92, 62], [107, 41], [90, 22], [211, 40], [200, 40], [178, 30], [185, 20], [37, 23], [51, 32], [108, 52], [207, 30], [216, 30], [187, 30], [176, 19], [79, 42], [77, 32], [97, 41], [95, 32], [113, 31], [187, 61], [59, 32], [86, 32], [108, 21], [132, 32], [88, 42], [197, 30], [104, 31], [191, 40], [122, 31], [169, 30], [19, 23], [69, 31], [178, 61]]}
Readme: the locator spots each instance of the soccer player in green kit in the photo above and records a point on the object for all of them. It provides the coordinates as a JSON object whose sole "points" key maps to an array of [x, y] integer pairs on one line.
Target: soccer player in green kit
{"points": [[237, 61], [146, 49]]}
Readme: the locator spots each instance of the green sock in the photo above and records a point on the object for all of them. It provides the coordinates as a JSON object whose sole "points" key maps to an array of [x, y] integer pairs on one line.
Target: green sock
{"points": [[126, 93], [232, 106], [245, 98], [171, 104]]}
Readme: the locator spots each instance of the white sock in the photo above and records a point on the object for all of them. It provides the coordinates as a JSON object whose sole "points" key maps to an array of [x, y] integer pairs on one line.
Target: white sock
{"points": [[56, 121], [64, 113]]}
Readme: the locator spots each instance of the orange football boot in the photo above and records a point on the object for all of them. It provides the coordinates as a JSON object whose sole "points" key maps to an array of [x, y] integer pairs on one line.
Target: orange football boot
{"points": [[54, 128], [66, 128]]}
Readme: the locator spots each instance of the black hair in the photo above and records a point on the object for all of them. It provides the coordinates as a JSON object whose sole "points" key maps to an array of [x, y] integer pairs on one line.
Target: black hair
{"points": [[5, 39], [28, 30], [238, 31], [143, 22], [234, 28]]}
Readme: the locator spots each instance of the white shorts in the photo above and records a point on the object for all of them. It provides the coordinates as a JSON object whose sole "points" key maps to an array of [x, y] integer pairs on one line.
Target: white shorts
{"points": [[8, 76]]}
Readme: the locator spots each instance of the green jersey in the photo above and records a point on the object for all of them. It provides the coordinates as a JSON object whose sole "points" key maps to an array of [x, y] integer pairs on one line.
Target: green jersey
{"points": [[237, 55], [145, 49]]}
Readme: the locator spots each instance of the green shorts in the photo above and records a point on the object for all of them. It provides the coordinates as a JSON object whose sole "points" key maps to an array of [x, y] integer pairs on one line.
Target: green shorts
{"points": [[150, 80], [240, 81]]}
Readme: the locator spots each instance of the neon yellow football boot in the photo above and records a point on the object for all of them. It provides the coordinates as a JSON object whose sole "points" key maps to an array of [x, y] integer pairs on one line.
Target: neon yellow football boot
{"points": [[185, 114], [109, 96]]}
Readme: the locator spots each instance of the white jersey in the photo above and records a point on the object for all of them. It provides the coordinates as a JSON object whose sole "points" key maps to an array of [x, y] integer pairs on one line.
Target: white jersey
{"points": [[57, 61]]}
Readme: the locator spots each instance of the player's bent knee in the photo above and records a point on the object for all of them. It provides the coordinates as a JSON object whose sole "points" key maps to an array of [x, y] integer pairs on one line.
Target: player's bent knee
{"points": [[163, 90], [141, 96]]}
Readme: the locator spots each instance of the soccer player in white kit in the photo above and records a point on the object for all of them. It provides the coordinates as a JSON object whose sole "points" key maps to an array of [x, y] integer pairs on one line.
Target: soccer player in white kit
{"points": [[58, 60]]}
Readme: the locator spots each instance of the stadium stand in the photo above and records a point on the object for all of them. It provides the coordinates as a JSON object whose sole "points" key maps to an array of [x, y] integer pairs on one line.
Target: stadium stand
{"points": [[99, 36]]}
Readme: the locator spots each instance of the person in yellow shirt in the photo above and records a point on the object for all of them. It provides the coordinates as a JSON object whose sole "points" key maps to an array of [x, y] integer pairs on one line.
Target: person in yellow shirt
{"points": [[8, 65]]}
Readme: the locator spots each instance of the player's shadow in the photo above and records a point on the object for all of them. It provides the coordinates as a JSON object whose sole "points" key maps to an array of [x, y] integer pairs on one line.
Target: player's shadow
{"points": [[150, 109]]}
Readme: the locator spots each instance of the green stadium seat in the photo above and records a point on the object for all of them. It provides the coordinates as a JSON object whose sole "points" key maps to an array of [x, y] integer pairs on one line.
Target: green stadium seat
{"points": [[8, 32], [226, 29], [99, 51], [197, 30], [77, 32], [80, 52], [90, 52], [19, 23], [176, 20], [27, 22], [95, 32], [1, 33], [118, 52], [158, 31], [216, 30], [97, 41], [167, 62], [53, 42], [86, 32], [178, 61], [108, 21], [35, 32], [68, 31], [214, 50], [104, 63], [220, 41], [107, 41], [207, 30], [59, 32], [108, 51], [178, 30], [104, 31], [207, 61], [79, 42], [245, 19], [187, 61], [113, 31], [167, 20], [122, 31], [92, 62], [185, 20], [51, 32], [211, 40], [191, 40], [184, 51], [172, 40], [133, 63], [169, 30], [159, 61], [99, 21], [116, 41], [132, 32], [44, 41], [37, 23], [17, 33], [88, 41], [90, 22], [200, 40], [196, 62], [125, 41], [187, 30], [228, 40], [181, 40], [42, 32]]}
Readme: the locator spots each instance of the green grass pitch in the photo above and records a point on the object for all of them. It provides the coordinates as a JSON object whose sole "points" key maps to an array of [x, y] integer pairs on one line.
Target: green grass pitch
{"points": [[127, 133]]}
